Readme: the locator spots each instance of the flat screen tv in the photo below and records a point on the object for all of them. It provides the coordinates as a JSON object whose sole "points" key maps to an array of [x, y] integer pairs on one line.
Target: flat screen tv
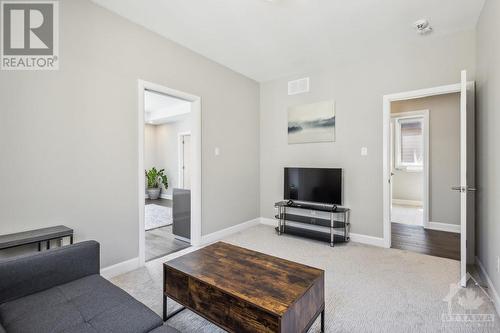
{"points": [[317, 185]]}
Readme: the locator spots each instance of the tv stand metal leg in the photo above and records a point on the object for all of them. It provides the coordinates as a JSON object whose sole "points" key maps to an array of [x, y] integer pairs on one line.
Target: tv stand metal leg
{"points": [[280, 220], [331, 230]]}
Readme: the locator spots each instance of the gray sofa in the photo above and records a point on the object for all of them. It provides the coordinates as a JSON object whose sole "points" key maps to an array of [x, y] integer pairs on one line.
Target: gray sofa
{"points": [[60, 290]]}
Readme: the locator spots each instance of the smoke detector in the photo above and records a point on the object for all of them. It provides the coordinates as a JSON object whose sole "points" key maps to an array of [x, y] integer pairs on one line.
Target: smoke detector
{"points": [[423, 27]]}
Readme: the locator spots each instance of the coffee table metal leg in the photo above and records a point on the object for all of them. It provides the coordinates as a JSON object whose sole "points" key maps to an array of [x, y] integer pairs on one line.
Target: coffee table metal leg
{"points": [[164, 308], [323, 320], [167, 316]]}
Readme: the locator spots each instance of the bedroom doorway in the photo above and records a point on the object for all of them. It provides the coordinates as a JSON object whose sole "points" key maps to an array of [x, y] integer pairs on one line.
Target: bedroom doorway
{"points": [[409, 165], [450, 179], [169, 213]]}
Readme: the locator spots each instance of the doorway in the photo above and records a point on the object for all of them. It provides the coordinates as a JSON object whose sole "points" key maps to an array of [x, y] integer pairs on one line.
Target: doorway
{"points": [[425, 143], [409, 164], [169, 213], [459, 188]]}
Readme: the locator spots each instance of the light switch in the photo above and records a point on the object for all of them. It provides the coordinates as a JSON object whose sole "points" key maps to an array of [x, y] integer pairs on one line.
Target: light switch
{"points": [[364, 151], [217, 151]]}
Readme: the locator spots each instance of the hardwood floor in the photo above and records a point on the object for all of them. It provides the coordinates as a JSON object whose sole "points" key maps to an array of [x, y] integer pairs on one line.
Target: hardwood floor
{"points": [[159, 202], [161, 241], [418, 239]]}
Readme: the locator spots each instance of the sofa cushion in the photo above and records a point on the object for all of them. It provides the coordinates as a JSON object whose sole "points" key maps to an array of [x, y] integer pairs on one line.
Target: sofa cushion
{"points": [[91, 304], [33, 273]]}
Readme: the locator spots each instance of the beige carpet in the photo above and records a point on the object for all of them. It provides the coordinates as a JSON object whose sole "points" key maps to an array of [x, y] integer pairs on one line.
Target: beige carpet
{"points": [[368, 289]]}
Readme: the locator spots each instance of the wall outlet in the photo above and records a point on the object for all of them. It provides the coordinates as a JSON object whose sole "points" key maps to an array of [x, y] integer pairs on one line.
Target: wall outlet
{"points": [[364, 151], [217, 151]]}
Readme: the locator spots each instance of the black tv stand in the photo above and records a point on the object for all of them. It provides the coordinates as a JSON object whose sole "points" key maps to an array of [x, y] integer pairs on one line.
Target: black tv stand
{"points": [[333, 227]]}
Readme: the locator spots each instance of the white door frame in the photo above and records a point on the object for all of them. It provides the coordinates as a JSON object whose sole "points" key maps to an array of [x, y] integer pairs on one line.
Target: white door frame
{"points": [[195, 161], [425, 170], [180, 158], [386, 142]]}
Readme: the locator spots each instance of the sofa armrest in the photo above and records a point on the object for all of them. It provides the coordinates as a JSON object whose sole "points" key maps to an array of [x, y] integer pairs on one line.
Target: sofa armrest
{"points": [[26, 275]]}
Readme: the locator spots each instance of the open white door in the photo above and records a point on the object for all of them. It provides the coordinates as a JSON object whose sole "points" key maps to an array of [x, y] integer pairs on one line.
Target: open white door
{"points": [[467, 176]]}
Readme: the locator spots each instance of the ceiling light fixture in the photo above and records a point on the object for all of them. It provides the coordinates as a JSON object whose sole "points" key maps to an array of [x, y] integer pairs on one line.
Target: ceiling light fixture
{"points": [[423, 27]]}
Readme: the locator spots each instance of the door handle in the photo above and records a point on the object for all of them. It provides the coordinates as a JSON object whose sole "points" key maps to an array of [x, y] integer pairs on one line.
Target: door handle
{"points": [[462, 188]]}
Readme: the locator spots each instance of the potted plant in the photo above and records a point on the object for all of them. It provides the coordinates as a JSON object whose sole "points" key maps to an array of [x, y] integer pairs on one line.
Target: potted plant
{"points": [[155, 179]]}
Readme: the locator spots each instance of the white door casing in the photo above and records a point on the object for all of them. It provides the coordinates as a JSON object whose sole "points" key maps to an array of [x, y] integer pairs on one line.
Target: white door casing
{"points": [[467, 164], [196, 140], [386, 145]]}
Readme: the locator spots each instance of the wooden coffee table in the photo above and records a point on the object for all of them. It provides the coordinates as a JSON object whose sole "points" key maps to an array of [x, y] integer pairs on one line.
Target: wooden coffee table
{"points": [[245, 291]]}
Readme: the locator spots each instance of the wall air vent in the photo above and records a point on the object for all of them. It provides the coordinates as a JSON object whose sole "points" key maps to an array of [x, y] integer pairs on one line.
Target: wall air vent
{"points": [[299, 86]]}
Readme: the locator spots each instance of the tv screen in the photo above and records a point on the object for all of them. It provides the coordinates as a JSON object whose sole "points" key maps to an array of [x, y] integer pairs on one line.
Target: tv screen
{"points": [[317, 185]]}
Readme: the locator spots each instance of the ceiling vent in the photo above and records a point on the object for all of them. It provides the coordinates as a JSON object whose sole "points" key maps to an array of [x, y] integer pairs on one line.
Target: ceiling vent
{"points": [[423, 27], [299, 86]]}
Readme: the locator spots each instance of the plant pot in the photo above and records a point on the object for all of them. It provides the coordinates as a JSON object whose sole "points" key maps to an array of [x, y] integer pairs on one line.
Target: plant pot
{"points": [[153, 193]]}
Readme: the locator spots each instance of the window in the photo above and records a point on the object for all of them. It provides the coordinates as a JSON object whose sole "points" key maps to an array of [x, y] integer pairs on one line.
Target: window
{"points": [[409, 143]]}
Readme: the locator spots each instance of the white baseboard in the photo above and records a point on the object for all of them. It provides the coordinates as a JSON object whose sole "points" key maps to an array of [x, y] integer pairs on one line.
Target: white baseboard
{"points": [[120, 268], [183, 239], [407, 202], [218, 235], [166, 196], [129, 265], [358, 238], [491, 288], [444, 227], [368, 240], [268, 221]]}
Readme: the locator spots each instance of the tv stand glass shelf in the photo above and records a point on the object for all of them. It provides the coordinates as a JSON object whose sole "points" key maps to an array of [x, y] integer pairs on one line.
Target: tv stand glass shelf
{"points": [[321, 222]]}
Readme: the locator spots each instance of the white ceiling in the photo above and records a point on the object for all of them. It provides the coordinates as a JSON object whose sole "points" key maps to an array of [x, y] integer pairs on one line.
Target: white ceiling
{"points": [[162, 109], [267, 39], [154, 101]]}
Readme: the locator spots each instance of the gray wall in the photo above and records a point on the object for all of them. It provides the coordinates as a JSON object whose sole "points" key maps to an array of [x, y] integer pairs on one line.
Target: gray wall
{"points": [[358, 89], [407, 185], [444, 153], [68, 138], [167, 149], [150, 159], [488, 138]]}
